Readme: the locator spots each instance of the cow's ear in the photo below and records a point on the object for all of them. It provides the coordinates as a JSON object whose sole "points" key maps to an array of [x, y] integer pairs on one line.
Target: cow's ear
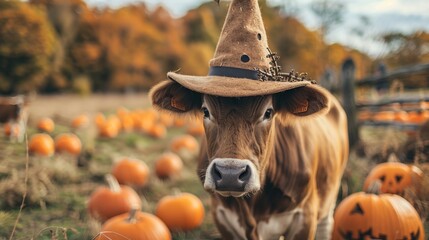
{"points": [[171, 96], [301, 102]]}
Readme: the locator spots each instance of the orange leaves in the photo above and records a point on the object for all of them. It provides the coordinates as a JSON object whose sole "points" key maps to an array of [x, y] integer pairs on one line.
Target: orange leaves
{"points": [[27, 43], [133, 47]]}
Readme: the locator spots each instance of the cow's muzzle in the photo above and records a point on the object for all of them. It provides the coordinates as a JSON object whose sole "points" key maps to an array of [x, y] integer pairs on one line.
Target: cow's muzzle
{"points": [[232, 177]]}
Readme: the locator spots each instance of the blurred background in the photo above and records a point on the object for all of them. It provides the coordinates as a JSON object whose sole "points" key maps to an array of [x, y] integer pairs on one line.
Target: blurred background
{"points": [[82, 70], [55, 46]]}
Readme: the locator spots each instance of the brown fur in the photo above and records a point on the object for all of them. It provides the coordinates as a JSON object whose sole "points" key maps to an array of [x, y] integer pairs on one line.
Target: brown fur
{"points": [[300, 163]]}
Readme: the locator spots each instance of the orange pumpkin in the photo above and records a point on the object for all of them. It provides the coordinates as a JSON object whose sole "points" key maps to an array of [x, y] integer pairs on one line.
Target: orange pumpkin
{"points": [[158, 130], [168, 165], [110, 128], [127, 123], [425, 115], [122, 111], [415, 117], [184, 143], [196, 128], [100, 119], [384, 116], [131, 172], [166, 119], [11, 130], [179, 121], [107, 202], [41, 144], [134, 225], [68, 143], [143, 124], [418, 117], [401, 116], [108, 131], [394, 176], [370, 216], [80, 121], [151, 113], [365, 115], [183, 211], [114, 120], [46, 125]]}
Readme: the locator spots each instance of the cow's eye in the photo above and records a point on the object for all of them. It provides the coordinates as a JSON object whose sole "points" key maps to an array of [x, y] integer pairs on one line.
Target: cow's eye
{"points": [[268, 114], [205, 112]]}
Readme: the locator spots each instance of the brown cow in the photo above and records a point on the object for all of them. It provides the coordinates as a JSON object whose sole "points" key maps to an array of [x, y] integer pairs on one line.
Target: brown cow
{"points": [[271, 171], [276, 144], [13, 110]]}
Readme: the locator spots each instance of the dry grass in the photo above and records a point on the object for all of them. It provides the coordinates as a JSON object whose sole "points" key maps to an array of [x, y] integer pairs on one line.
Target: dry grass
{"points": [[57, 190]]}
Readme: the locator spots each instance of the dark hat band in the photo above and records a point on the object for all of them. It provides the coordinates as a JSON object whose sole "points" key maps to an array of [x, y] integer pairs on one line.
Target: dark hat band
{"points": [[233, 72]]}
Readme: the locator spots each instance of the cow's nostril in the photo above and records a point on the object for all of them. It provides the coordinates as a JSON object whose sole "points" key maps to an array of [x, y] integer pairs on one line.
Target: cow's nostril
{"points": [[216, 173], [245, 175]]}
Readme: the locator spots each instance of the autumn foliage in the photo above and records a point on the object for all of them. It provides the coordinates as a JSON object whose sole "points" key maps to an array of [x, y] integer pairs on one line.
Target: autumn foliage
{"points": [[52, 45]]}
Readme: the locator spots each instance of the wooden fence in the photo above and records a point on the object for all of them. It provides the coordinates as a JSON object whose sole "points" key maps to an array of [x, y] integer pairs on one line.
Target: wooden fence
{"points": [[397, 99]]}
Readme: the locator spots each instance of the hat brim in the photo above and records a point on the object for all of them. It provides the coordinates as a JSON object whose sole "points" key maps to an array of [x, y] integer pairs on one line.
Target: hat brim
{"points": [[232, 87]]}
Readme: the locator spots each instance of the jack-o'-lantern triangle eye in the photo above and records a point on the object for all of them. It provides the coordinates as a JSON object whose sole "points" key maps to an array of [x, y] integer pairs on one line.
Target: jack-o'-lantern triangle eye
{"points": [[357, 209], [398, 178]]}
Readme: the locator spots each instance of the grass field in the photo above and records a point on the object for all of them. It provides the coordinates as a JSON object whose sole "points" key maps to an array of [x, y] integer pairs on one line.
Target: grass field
{"points": [[57, 189]]}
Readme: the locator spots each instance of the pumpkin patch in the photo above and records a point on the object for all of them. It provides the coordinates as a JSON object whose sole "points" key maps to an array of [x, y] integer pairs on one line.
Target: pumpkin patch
{"points": [[62, 191]]}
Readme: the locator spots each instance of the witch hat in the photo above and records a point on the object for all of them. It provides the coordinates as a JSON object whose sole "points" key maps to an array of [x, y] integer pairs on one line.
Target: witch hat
{"points": [[242, 64]]}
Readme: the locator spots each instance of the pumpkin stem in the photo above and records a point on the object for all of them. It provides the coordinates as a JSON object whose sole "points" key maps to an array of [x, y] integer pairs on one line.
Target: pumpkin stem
{"points": [[176, 192], [132, 217], [113, 183], [375, 187], [392, 158]]}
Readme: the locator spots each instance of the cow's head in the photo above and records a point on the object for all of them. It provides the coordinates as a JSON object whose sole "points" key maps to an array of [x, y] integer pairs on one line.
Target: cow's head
{"points": [[239, 131]]}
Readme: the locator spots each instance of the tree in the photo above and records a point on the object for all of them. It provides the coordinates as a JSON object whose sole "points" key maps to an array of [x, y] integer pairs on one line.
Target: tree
{"points": [[406, 49], [64, 16], [329, 12], [26, 46]]}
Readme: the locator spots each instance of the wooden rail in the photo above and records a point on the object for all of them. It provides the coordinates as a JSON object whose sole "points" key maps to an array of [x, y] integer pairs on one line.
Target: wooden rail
{"points": [[412, 102], [396, 74], [391, 100]]}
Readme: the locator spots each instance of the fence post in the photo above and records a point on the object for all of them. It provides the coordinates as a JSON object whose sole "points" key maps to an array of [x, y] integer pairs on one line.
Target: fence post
{"points": [[348, 95]]}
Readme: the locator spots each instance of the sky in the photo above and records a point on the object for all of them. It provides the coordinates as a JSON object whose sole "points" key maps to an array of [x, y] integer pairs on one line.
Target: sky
{"points": [[384, 15]]}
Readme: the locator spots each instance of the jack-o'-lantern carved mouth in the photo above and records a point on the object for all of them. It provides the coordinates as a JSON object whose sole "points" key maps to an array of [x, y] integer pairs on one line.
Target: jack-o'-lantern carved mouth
{"points": [[370, 235]]}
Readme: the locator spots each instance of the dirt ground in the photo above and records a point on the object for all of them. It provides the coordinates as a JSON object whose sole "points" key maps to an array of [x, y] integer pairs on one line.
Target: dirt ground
{"points": [[68, 106]]}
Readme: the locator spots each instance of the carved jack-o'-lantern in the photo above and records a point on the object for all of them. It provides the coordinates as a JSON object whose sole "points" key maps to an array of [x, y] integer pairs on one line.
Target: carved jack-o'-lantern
{"points": [[394, 176], [365, 216]]}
